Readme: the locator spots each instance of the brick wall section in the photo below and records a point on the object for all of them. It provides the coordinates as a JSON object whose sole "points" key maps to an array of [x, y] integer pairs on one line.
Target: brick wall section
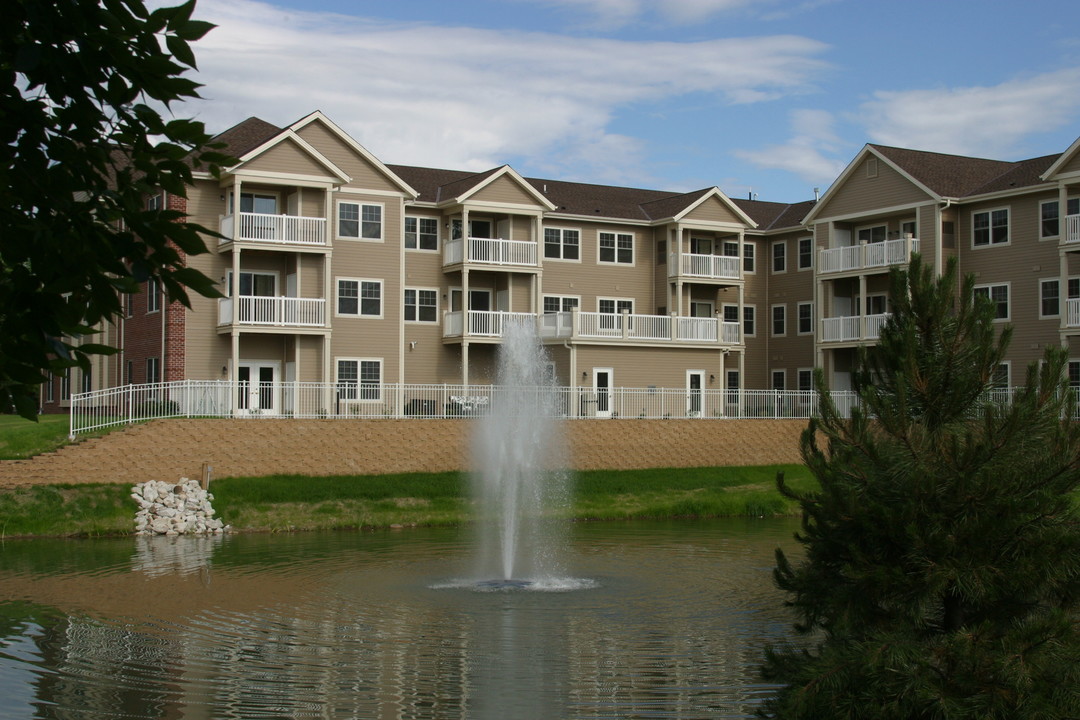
{"points": [[174, 361], [169, 449]]}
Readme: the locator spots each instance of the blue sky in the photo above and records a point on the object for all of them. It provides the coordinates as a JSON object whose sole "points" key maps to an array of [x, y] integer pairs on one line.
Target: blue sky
{"points": [[771, 97]]}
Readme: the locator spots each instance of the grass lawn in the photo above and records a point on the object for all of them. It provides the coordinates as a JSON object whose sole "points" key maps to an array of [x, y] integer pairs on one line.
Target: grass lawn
{"points": [[21, 438], [288, 502]]}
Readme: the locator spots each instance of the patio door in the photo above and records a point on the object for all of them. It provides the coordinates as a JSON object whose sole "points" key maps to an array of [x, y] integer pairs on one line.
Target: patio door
{"points": [[695, 383], [480, 302], [602, 390], [257, 388]]}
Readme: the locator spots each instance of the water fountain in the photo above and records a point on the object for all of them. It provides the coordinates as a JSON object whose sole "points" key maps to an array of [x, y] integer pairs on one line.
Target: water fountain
{"points": [[520, 484]]}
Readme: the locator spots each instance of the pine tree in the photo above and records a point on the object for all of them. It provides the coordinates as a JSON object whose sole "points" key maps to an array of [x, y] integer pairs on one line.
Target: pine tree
{"points": [[941, 574]]}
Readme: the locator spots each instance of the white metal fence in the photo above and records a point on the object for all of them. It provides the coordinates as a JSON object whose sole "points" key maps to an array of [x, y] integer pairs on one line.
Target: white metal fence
{"points": [[234, 399]]}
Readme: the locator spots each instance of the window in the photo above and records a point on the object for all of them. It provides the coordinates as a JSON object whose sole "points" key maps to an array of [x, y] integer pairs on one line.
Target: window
{"points": [[908, 228], [1050, 296], [253, 284], [999, 296], [87, 381], [359, 379], [1000, 379], [874, 234], [65, 384], [731, 313], [359, 297], [421, 233], [560, 303], [611, 312], [661, 252], [732, 380], [152, 370], [50, 388], [421, 305], [1050, 218], [990, 227], [153, 295], [130, 372], [155, 202], [701, 309], [806, 318], [748, 320], [562, 244], [806, 379], [359, 221], [806, 253], [616, 248], [779, 379], [875, 304], [129, 304], [731, 249], [748, 257], [1074, 374], [779, 257], [779, 319]]}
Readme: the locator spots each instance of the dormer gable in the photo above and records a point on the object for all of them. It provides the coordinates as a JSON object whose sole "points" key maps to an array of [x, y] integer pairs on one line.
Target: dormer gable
{"points": [[710, 205], [499, 186], [869, 177], [1067, 166]]}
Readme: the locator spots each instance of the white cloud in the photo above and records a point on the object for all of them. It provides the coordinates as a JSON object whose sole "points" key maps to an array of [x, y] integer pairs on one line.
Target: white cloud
{"points": [[613, 14], [810, 153], [472, 98], [992, 121]]}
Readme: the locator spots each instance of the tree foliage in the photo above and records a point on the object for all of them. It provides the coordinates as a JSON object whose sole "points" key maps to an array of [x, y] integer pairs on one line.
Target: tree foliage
{"points": [[941, 575], [86, 133]]}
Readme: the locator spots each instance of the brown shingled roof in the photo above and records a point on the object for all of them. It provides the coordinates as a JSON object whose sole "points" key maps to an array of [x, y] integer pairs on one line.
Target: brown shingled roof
{"points": [[947, 175], [245, 136]]}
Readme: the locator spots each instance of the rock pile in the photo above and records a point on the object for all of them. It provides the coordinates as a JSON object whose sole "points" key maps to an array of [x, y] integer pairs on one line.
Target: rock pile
{"points": [[180, 509]]}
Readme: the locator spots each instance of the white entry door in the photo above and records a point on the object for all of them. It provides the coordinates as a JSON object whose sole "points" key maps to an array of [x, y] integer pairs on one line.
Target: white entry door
{"points": [[695, 383], [602, 390], [258, 388]]}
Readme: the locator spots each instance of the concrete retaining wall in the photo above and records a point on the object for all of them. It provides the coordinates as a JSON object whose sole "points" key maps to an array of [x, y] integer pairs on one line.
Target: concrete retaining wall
{"points": [[169, 449]]}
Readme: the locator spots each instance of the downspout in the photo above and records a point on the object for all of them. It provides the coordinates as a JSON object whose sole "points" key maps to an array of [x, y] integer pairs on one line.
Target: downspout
{"points": [[940, 248]]}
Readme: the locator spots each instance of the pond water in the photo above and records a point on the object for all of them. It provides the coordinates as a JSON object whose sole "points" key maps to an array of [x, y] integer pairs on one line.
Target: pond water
{"points": [[657, 620]]}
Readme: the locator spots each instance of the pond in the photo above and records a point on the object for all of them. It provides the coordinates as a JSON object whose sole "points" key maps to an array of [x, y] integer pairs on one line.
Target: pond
{"points": [[659, 619]]}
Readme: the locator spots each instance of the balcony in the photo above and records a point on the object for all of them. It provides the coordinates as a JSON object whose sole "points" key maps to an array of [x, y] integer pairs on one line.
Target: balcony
{"points": [[709, 267], [867, 256], [279, 312], [1072, 313], [288, 230], [1072, 230], [491, 251], [481, 323], [854, 328], [629, 328]]}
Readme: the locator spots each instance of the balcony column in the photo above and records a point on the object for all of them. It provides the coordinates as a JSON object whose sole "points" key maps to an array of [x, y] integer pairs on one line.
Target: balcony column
{"points": [[464, 362], [466, 255], [1063, 287], [234, 286], [742, 318], [862, 307]]}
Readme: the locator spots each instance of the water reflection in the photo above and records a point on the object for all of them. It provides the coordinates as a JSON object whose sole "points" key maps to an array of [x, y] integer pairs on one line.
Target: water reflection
{"points": [[372, 625]]}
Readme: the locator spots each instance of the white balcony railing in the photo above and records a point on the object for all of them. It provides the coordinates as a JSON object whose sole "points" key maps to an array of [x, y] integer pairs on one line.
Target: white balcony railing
{"points": [[867, 255], [1072, 229], [853, 328], [274, 229], [719, 267], [274, 311], [1072, 313], [490, 251], [597, 326]]}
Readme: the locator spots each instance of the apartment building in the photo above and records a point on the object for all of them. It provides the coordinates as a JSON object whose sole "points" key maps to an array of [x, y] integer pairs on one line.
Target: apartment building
{"points": [[338, 268]]}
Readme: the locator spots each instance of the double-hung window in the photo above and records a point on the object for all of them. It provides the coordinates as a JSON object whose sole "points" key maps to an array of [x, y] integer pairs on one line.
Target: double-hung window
{"points": [[1050, 296], [990, 227], [421, 233], [806, 253], [562, 244], [806, 318], [617, 248], [611, 310], [998, 295], [359, 379], [779, 319], [359, 221], [421, 305], [359, 297], [1050, 216], [748, 257], [560, 303], [153, 295], [749, 320], [779, 257]]}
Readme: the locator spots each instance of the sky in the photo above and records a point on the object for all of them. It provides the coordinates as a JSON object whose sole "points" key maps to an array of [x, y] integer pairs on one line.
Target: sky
{"points": [[761, 98]]}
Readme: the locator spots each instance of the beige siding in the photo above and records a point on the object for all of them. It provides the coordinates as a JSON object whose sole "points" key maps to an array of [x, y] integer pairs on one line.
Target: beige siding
{"points": [[641, 367], [713, 210], [504, 190], [1072, 166], [864, 194], [287, 157], [363, 173], [589, 279]]}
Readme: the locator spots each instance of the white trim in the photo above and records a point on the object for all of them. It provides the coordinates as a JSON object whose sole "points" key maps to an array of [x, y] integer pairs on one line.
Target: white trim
{"points": [[753, 257], [312, 181], [617, 234], [1008, 297], [359, 298], [367, 191], [359, 379], [772, 320], [560, 298], [772, 378], [418, 321], [868, 215], [990, 227], [753, 311], [418, 218], [772, 257], [798, 253], [798, 377], [607, 412], [562, 243], [359, 221]]}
